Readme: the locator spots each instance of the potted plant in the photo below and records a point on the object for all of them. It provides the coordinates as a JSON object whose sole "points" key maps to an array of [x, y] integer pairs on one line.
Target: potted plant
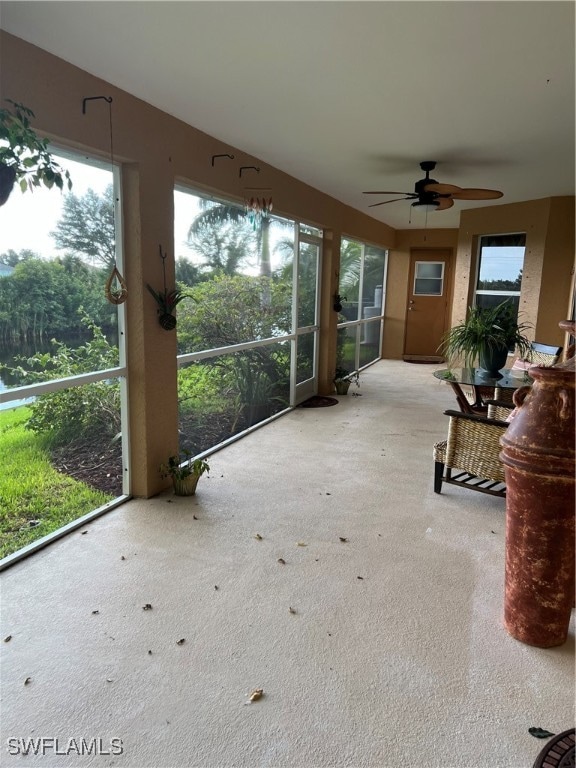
{"points": [[343, 378], [24, 156], [167, 302], [487, 336], [185, 472]]}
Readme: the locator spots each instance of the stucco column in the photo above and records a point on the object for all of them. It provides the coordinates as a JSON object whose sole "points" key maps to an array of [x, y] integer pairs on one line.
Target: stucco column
{"points": [[152, 380]]}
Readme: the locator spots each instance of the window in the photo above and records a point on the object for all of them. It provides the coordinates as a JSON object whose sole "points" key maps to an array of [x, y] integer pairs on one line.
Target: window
{"points": [[429, 278], [63, 398], [362, 290], [500, 264], [247, 334]]}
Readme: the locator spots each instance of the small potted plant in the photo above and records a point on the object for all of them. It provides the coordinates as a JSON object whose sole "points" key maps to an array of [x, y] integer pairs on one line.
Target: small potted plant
{"points": [[167, 302], [343, 378], [24, 156], [487, 336], [185, 472]]}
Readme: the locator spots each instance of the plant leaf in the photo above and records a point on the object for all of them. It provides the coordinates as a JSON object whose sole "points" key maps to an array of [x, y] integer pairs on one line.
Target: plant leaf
{"points": [[540, 733]]}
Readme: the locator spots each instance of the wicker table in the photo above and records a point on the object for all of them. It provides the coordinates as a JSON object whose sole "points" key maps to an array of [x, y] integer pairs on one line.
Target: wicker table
{"points": [[483, 384]]}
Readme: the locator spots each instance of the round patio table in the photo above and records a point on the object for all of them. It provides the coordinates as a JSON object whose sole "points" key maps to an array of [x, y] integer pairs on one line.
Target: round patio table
{"points": [[482, 383]]}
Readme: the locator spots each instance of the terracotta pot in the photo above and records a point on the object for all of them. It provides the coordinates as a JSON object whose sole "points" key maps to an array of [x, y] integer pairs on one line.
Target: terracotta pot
{"points": [[539, 464]]}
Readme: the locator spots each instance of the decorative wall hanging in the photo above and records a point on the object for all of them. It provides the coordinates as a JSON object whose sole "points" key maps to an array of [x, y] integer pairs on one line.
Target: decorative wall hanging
{"points": [[115, 290], [256, 208], [167, 300]]}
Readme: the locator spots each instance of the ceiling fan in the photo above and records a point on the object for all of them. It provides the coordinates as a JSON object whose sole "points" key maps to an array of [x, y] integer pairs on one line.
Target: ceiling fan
{"points": [[429, 195]]}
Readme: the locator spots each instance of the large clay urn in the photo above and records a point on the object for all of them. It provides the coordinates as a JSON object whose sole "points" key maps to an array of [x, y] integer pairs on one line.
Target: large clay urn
{"points": [[539, 463]]}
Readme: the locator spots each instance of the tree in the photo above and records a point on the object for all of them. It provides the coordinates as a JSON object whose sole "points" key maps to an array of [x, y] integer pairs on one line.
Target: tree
{"points": [[222, 237], [228, 310], [11, 257], [87, 227], [224, 246], [186, 272], [217, 215], [40, 298]]}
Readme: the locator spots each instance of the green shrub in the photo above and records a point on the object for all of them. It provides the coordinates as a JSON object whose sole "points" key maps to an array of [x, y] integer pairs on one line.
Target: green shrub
{"points": [[76, 412]]}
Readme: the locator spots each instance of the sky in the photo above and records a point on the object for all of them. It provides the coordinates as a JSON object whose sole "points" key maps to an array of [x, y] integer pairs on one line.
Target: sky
{"points": [[27, 218], [501, 263]]}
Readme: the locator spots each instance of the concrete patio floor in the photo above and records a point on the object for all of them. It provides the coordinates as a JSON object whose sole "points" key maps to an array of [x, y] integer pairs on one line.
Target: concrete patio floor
{"points": [[393, 654]]}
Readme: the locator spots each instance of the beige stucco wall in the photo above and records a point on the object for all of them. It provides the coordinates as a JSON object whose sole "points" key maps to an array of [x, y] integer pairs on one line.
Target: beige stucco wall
{"points": [[397, 283], [548, 261]]}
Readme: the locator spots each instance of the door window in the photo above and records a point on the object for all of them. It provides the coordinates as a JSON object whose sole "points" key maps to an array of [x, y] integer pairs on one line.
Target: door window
{"points": [[429, 278]]}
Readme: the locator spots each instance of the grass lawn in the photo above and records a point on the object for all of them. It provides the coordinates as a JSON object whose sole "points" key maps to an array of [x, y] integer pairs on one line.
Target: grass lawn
{"points": [[31, 490]]}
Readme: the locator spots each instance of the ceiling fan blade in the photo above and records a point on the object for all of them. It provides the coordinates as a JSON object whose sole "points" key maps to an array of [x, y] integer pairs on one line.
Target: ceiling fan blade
{"points": [[444, 203], [384, 202], [477, 194], [387, 193], [442, 189]]}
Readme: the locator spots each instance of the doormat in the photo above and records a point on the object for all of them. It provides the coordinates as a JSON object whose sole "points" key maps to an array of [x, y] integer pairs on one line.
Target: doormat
{"points": [[317, 401], [559, 752], [424, 360]]}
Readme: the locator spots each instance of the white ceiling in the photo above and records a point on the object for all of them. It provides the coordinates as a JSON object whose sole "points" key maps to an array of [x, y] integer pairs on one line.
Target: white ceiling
{"points": [[347, 96]]}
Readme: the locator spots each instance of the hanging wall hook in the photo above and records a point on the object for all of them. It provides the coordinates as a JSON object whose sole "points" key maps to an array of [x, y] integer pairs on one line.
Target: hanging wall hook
{"points": [[248, 168], [224, 155], [93, 98]]}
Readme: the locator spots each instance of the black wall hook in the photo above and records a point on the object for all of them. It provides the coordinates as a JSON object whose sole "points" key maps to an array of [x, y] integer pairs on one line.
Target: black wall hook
{"points": [[248, 168], [93, 98], [224, 155]]}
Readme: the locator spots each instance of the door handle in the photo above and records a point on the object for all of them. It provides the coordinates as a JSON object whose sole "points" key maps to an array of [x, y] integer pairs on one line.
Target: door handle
{"points": [[411, 301]]}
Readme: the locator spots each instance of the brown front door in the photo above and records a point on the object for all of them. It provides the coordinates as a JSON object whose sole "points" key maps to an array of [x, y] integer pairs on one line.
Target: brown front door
{"points": [[427, 309]]}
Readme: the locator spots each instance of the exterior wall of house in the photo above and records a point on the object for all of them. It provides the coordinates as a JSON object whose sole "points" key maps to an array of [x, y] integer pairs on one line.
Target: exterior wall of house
{"points": [[548, 262], [398, 276]]}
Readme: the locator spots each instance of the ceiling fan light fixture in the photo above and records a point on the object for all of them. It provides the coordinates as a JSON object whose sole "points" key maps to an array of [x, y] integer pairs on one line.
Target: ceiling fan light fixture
{"points": [[430, 205]]}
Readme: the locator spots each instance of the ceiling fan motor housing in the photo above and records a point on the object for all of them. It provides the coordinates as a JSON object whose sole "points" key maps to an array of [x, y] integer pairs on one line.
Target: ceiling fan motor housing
{"points": [[426, 198]]}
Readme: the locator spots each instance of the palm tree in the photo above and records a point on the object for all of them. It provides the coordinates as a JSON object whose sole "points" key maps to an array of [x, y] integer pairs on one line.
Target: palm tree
{"points": [[215, 215]]}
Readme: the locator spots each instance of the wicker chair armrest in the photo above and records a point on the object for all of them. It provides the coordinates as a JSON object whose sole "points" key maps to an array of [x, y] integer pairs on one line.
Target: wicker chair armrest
{"points": [[476, 417]]}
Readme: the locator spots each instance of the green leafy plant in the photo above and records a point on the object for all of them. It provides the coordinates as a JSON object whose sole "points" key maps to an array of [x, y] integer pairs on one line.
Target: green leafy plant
{"points": [[167, 302], [183, 465], [343, 374], [484, 331], [76, 413], [24, 156]]}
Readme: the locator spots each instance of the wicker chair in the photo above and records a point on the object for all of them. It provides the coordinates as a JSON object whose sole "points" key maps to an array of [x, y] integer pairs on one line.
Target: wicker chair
{"points": [[499, 409], [470, 456], [544, 354]]}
